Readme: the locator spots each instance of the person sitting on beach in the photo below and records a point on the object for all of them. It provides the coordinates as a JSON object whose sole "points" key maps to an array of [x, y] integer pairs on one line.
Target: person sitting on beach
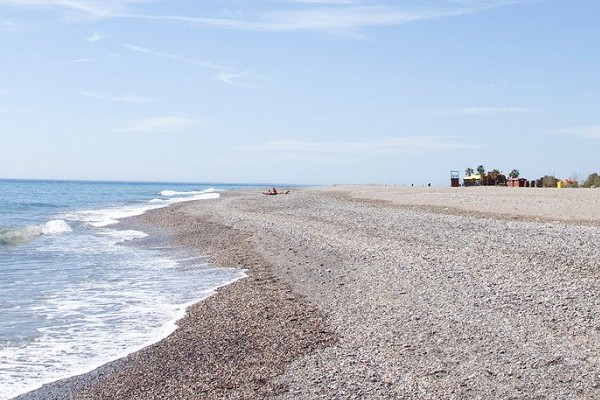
{"points": [[274, 191]]}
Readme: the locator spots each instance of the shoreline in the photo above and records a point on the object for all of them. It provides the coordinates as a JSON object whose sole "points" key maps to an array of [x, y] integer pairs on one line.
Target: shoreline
{"points": [[224, 247], [380, 292]]}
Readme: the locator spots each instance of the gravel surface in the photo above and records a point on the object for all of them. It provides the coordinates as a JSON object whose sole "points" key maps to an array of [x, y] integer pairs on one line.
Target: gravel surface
{"points": [[382, 293]]}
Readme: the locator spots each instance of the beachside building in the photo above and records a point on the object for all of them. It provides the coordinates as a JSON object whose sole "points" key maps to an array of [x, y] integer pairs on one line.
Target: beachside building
{"points": [[454, 179], [517, 182], [472, 180]]}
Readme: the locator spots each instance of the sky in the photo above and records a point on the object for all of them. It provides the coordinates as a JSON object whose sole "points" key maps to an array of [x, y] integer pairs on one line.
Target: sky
{"points": [[298, 91]]}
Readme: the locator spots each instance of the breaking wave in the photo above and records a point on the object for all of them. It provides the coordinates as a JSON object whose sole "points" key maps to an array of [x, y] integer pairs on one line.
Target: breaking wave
{"points": [[29, 232]]}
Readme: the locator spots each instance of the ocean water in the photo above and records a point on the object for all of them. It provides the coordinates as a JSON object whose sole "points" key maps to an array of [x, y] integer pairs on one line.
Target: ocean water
{"points": [[73, 294]]}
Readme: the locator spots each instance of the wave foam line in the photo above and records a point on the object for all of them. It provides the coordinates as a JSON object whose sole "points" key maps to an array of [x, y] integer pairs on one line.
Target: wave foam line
{"points": [[169, 193], [110, 216], [29, 232]]}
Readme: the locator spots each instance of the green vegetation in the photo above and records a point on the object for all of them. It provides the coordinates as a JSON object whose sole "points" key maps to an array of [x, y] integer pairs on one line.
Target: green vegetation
{"points": [[492, 178], [496, 178], [549, 181], [592, 181], [481, 170]]}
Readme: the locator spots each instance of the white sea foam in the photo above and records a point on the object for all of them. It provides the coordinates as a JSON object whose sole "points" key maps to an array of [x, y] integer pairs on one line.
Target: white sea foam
{"points": [[122, 235], [168, 193], [190, 196], [55, 226], [92, 300], [110, 216], [26, 233], [104, 321]]}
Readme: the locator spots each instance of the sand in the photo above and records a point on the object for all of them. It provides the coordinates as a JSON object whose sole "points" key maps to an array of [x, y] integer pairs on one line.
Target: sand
{"points": [[378, 292]]}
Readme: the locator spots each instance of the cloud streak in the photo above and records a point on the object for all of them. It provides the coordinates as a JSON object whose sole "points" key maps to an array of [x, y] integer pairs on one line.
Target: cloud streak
{"points": [[242, 79], [224, 74], [334, 15], [96, 37], [84, 8], [161, 124], [482, 110], [122, 99], [586, 132], [388, 145], [174, 57], [524, 86], [7, 26], [290, 15], [316, 19]]}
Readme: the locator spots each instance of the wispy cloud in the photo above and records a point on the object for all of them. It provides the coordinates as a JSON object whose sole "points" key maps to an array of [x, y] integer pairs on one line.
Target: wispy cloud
{"points": [[587, 95], [331, 15], [290, 15], [586, 132], [83, 8], [388, 145], [482, 110], [324, 1], [122, 99], [174, 57], [224, 74], [96, 37], [242, 79], [7, 26], [333, 19], [162, 124], [525, 86]]}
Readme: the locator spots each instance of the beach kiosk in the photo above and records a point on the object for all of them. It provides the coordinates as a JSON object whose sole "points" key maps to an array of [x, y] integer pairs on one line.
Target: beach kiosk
{"points": [[517, 182], [473, 180], [454, 179]]}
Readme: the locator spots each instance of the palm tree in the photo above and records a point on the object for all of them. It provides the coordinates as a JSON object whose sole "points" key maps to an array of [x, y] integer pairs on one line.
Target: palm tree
{"points": [[514, 174], [469, 171], [481, 170], [495, 177]]}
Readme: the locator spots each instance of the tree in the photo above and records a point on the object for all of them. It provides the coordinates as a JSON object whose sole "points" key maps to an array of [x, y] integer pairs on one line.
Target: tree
{"points": [[495, 177], [514, 174], [549, 181], [593, 180], [481, 171], [469, 171]]}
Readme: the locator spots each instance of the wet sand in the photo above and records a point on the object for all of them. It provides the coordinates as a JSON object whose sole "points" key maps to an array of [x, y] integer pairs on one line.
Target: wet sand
{"points": [[381, 293]]}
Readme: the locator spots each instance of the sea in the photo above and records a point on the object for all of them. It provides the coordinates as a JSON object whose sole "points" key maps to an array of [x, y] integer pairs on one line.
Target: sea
{"points": [[76, 292]]}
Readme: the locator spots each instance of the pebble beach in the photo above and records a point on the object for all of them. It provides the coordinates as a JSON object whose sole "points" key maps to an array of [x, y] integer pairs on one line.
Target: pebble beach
{"points": [[377, 292]]}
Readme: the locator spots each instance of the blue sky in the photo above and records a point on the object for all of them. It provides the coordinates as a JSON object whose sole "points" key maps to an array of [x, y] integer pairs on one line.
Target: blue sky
{"points": [[298, 91]]}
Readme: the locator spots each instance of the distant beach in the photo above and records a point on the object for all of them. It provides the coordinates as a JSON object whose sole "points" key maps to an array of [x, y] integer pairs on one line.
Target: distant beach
{"points": [[377, 292]]}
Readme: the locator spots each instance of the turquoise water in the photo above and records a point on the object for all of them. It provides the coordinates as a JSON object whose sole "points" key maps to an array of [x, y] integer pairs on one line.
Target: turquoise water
{"points": [[72, 295]]}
